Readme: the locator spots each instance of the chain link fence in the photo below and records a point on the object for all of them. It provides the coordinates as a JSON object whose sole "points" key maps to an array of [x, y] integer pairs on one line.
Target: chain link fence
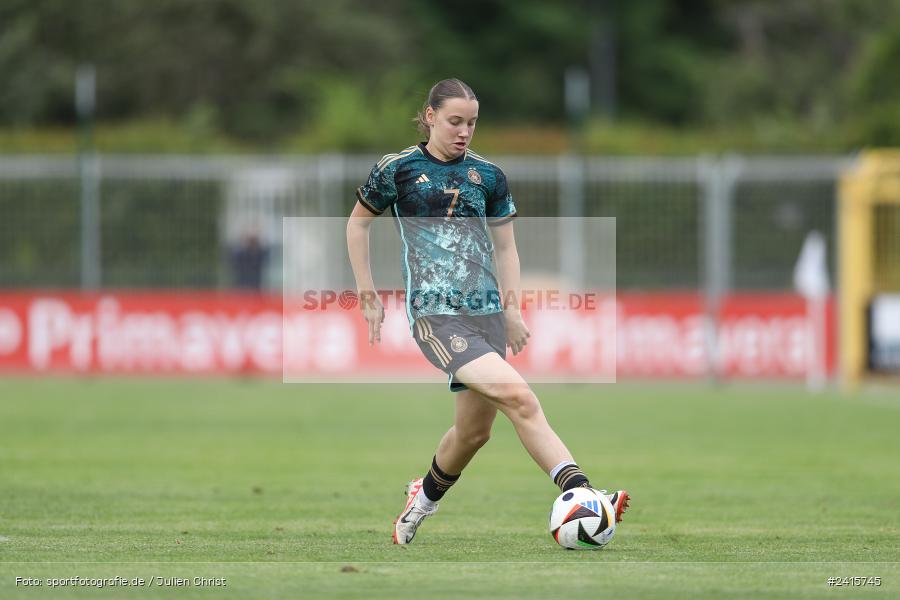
{"points": [[718, 223]]}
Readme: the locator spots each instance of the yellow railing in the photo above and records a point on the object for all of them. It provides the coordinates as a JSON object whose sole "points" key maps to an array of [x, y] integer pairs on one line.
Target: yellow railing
{"points": [[874, 181]]}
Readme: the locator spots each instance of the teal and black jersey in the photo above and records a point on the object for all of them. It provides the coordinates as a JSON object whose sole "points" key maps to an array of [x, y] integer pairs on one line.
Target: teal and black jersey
{"points": [[442, 210]]}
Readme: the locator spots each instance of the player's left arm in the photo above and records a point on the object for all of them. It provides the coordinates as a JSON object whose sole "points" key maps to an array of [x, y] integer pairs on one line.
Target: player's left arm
{"points": [[508, 271]]}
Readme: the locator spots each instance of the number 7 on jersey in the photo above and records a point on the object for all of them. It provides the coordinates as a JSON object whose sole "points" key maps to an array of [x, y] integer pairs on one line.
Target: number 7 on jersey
{"points": [[455, 193]]}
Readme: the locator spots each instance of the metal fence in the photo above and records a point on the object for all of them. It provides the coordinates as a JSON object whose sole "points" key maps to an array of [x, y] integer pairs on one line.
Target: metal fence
{"points": [[717, 223]]}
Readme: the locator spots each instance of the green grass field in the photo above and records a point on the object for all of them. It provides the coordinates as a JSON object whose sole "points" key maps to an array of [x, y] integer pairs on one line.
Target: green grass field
{"points": [[289, 491]]}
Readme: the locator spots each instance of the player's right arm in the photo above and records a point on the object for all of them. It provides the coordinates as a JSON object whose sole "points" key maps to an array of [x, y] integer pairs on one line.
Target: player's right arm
{"points": [[358, 248], [373, 198]]}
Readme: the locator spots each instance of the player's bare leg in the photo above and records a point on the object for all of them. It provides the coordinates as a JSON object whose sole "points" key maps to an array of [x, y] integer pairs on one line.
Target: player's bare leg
{"points": [[501, 385], [471, 430]]}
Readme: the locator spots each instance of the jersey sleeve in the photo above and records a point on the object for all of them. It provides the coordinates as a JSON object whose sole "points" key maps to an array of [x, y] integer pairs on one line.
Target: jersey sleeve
{"points": [[500, 207], [379, 191]]}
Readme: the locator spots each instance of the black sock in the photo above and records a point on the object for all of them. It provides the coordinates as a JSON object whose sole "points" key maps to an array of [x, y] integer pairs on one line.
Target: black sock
{"points": [[436, 483], [571, 476]]}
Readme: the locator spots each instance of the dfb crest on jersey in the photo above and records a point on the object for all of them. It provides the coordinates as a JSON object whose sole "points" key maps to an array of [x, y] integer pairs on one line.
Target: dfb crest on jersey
{"points": [[458, 344], [474, 176]]}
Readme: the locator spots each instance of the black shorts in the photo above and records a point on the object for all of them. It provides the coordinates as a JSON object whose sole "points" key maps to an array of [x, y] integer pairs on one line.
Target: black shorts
{"points": [[450, 341]]}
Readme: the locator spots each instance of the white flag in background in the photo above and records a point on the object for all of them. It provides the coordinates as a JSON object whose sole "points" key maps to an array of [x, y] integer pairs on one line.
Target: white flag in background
{"points": [[811, 271], [811, 280]]}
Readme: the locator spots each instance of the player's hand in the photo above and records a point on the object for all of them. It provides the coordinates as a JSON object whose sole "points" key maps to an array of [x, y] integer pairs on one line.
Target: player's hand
{"points": [[517, 333], [373, 313]]}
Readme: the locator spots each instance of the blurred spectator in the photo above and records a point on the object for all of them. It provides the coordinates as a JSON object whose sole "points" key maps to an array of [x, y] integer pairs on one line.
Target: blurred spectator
{"points": [[248, 262]]}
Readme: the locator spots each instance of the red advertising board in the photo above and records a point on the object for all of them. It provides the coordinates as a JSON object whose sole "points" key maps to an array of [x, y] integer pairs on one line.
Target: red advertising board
{"points": [[646, 335]]}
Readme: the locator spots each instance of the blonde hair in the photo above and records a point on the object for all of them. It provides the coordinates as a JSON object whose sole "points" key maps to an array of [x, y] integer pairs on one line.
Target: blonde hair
{"points": [[440, 92]]}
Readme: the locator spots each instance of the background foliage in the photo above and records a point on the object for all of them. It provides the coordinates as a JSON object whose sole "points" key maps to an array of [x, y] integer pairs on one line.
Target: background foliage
{"points": [[288, 75]]}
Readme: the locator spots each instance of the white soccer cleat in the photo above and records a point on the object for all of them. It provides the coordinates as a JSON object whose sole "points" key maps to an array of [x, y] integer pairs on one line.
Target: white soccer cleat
{"points": [[412, 516], [619, 500]]}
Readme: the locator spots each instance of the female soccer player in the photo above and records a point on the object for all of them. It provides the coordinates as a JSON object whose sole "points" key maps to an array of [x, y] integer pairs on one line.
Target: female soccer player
{"points": [[445, 198]]}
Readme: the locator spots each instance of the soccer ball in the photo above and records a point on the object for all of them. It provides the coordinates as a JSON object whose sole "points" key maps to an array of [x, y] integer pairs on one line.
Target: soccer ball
{"points": [[582, 519]]}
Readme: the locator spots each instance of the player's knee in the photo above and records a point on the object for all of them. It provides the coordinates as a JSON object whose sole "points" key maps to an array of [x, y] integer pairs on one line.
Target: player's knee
{"points": [[521, 403], [475, 438]]}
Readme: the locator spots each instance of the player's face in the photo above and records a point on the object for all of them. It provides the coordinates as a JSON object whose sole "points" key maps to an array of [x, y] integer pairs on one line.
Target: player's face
{"points": [[453, 127]]}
